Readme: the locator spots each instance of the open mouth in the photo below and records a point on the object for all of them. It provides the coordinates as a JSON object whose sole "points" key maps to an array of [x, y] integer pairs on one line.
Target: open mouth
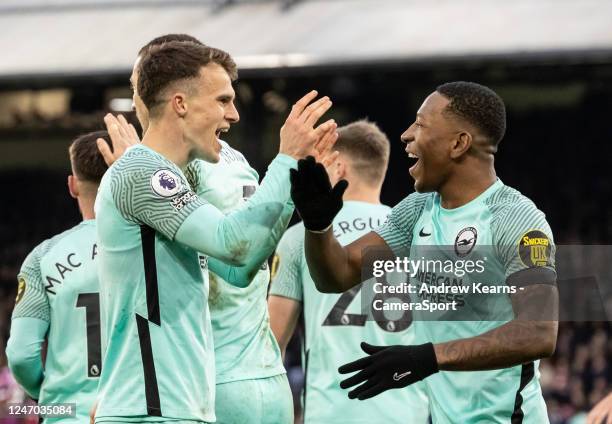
{"points": [[415, 159], [220, 131]]}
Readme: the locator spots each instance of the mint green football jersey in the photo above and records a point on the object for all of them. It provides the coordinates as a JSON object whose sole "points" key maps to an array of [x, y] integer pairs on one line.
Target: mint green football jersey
{"points": [[335, 325], [58, 283], [506, 231], [158, 359], [245, 347]]}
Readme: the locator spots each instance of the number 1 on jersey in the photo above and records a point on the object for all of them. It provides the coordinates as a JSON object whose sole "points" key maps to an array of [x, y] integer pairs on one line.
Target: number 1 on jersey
{"points": [[91, 303]]}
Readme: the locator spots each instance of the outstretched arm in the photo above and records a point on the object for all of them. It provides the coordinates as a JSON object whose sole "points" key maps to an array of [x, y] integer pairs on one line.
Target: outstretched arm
{"points": [[531, 335]]}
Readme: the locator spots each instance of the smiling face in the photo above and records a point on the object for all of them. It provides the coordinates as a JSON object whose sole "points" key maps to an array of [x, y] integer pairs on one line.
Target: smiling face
{"points": [[210, 110], [430, 140]]}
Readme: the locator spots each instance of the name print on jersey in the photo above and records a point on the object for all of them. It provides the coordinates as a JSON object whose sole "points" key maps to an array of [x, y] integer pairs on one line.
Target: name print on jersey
{"points": [[357, 224], [70, 263]]}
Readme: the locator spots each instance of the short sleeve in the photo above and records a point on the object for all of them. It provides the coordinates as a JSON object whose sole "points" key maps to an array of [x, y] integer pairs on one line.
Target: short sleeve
{"points": [[397, 231], [31, 301], [525, 245], [287, 265], [153, 193]]}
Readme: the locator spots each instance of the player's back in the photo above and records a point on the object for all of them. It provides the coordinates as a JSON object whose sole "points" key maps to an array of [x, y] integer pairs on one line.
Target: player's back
{"points": [[66, 267], [335, 324], [156, 329]]}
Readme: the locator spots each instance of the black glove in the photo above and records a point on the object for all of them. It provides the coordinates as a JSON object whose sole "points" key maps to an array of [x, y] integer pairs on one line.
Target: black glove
{"points": [[388, 367], [314, 198]]}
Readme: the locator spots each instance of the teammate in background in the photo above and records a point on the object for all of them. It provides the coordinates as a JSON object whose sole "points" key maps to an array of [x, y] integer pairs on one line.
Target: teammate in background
{"points": [[250, 377], [461, 203], [159, 358], [335, 323], [57, 300]]}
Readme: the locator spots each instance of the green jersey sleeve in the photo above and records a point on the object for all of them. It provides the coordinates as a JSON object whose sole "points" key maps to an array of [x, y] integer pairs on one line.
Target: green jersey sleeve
{"points": [[397, 231], [244, 236], [32, 301], [152, 192], [287, 265], [525, 244]]}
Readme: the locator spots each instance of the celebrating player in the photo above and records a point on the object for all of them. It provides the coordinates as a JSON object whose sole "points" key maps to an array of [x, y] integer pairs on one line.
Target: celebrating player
{"points": [[250, 377], [159, 360], [334, 323], [460, 203], [58, 299]]}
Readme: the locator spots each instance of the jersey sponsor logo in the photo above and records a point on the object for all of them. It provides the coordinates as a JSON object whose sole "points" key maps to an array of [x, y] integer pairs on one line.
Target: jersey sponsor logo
{"points": [[534, 248], [274, 267], [398, 377], [180, 202], [21, 286], [422, 233], [465, 241], [166, 183]]}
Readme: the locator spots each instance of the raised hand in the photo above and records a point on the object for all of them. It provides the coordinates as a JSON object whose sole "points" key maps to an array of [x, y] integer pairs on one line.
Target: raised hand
{"points": [[122, 135], [298, 136], [314, 198]]}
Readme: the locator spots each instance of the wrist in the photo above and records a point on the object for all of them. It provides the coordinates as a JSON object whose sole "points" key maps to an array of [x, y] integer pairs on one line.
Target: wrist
{"points": [[324, 231], [426, 353]]}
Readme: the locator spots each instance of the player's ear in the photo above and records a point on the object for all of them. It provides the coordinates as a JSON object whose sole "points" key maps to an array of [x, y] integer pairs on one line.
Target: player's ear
{"points": [[461, 144], [179, 104], [340, 170], [73, 187]]}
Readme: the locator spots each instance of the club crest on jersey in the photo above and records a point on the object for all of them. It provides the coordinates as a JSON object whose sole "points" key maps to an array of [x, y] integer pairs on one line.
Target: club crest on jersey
{"points": [[165, 183], [20, 290], [465, 241], [534, 248]]}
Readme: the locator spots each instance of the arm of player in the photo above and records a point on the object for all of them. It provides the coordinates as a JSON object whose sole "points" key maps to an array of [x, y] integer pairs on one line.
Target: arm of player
{"points": [[530, 336], [286, 287], [24, 353], [526, 249], [29, 326], [284, 314], [333, 268], [248, 236]]}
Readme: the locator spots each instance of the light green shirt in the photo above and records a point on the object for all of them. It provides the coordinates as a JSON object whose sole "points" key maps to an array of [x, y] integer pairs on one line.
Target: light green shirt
{"points": [[58, 284], [510, 235], [335, 324]]}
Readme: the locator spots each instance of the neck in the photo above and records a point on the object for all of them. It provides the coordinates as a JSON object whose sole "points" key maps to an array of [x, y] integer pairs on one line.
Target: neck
{"points": [[464, 187], [362, 193], [167, 140], [86, 206]]}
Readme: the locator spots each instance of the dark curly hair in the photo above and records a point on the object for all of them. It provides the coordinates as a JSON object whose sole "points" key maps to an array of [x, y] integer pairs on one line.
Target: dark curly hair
{"points": [[478, 105]]}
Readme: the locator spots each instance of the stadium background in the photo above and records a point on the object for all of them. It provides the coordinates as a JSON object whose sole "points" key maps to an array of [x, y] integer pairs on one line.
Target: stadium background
{"points": [[66, 62]]}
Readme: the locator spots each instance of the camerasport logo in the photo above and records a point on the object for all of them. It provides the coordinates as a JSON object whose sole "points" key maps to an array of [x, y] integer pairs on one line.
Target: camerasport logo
{"points": [[165, 183], [465, 241]]}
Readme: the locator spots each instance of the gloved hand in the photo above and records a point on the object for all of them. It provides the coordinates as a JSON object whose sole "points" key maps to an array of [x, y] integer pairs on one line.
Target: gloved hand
{"points": [[314, 198], [388, 367]]}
